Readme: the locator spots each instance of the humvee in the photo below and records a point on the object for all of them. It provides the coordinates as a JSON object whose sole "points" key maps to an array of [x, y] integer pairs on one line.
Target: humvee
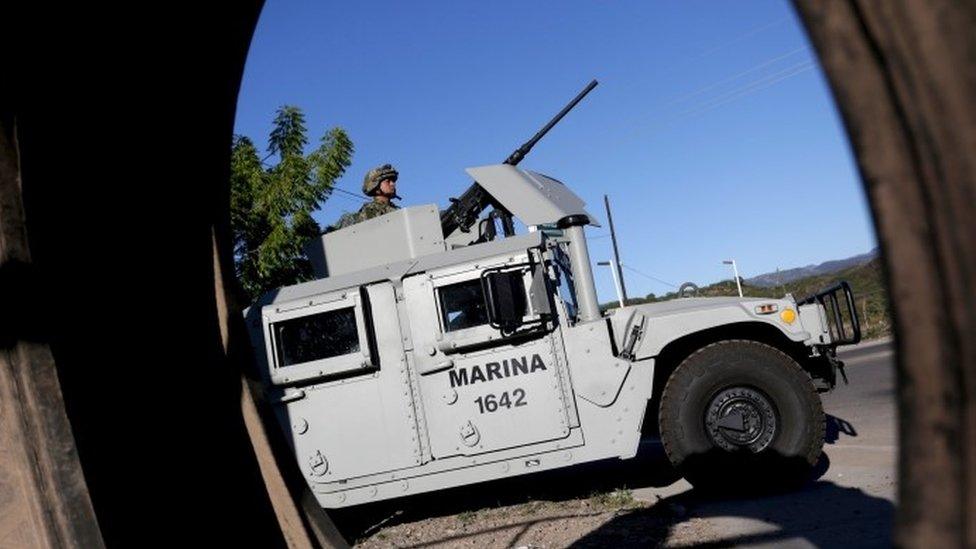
{"points": [[434, 350]]}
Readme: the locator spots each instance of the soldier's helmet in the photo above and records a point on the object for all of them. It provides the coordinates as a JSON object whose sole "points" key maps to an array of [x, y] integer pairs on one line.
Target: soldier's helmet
{"points": [[376, 176]]}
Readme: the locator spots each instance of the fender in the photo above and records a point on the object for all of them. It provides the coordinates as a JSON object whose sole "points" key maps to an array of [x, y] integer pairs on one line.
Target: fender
{"points": [[668, 321]]}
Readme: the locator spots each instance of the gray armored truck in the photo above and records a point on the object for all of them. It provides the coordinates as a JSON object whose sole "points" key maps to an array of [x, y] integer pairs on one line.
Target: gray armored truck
{"points": [[439, 349]]}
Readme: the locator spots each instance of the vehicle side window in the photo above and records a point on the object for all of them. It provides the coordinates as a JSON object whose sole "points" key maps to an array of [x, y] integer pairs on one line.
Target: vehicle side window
{"points": [[315, 337], [463, 305]]}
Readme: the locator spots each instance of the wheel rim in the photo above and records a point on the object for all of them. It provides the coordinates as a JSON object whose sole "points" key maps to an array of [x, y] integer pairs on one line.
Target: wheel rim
{"points": [[741, 418]]}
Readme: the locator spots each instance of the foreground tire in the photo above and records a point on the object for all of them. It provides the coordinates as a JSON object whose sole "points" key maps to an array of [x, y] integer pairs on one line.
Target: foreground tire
{"points": [[741, 415]]}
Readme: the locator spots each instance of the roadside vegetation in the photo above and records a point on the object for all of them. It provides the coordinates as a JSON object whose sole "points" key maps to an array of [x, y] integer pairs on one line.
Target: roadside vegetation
{"points": [[871, 296], [273, 198]]}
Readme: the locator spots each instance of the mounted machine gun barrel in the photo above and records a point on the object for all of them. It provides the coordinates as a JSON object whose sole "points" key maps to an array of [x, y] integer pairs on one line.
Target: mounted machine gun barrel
{"points": [[464, 211]]}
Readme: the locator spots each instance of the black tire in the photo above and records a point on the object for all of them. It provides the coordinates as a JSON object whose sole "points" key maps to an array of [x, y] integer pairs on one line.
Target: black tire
{"points": [[741, 415]]}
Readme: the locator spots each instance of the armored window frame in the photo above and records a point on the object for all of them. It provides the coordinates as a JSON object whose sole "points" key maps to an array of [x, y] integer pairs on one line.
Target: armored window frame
{"points": [[452, 340], [565, 283], [352, 363], [443, 309]]}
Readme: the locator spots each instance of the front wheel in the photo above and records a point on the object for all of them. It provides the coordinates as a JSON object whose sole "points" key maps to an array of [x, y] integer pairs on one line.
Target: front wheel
{"points": [[742, 415]]}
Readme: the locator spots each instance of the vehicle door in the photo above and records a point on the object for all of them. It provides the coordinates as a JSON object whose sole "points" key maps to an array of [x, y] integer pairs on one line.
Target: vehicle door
{"points": [[483, 389], [338, 360]]}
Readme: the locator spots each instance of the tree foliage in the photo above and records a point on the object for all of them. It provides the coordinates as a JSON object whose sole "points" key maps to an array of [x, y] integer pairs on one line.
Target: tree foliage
{"points": [[272, 205]]}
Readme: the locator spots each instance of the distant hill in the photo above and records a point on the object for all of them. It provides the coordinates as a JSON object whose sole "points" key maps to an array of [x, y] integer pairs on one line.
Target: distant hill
{"points": [[770, 280], [866, 279]]}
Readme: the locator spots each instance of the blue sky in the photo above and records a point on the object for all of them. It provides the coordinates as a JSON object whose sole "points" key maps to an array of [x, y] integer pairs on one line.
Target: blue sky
{"points": [[712, 129]]}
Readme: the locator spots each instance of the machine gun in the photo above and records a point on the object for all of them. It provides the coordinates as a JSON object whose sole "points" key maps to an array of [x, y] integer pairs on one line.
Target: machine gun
{"points": [[464, 212]]}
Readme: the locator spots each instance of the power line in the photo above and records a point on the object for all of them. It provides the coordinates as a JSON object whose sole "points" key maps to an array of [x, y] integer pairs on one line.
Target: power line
{"points": [[665, 118], [344, 193], [349, 198], [654, 278], [748, 89], [736, 76], [743, 36], [730, 95], [351, 195], [684, 60], [752, 32]]}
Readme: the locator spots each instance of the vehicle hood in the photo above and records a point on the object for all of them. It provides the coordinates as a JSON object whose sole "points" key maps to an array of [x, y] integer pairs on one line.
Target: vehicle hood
{"points": [[666, 321], [675, 306]]}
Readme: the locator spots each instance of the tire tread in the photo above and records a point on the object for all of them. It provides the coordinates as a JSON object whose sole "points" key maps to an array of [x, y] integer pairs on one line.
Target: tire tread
{"points": [[692, 367]]}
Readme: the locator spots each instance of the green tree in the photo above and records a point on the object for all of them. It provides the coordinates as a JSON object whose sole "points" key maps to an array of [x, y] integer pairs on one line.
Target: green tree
{"points": [[272, 205]]}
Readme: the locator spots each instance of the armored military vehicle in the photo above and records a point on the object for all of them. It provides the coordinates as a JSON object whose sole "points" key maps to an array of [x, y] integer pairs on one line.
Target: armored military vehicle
{"points": [[435, 350]]}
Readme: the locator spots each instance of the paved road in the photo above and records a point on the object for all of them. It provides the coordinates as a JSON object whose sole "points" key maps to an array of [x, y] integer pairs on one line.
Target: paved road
{"points": [[851, 504]]}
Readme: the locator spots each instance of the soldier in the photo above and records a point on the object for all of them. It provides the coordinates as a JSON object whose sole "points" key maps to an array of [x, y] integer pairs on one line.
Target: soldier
{"points": [[380, 183]]}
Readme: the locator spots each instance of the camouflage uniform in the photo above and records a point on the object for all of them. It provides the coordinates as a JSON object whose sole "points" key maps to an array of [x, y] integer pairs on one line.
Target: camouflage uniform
{"points": [[371, 209], [368, 211]]}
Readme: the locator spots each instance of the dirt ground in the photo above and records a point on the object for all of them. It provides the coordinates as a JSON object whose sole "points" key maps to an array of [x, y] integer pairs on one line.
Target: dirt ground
{"points": [[585, 506], [536, 524]]}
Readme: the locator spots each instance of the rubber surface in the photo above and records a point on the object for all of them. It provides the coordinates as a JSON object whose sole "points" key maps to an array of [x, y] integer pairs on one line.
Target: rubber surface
{"points": [[800, 423]]}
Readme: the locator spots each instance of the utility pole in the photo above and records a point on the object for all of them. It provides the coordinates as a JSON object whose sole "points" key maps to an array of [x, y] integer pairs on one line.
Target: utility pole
{"points": [[735, 272], [616, 267]]}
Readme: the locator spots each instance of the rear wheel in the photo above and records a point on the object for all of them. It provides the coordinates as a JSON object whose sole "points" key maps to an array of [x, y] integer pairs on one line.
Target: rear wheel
{"points": [[741, 415]]}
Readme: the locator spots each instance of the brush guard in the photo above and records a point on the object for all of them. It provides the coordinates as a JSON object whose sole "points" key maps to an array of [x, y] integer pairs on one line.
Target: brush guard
{"points": [[835, 313], [841, 332]]}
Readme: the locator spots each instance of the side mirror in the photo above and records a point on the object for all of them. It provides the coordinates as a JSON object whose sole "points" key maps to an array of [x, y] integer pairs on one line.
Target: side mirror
{"points": [[505, 299]]}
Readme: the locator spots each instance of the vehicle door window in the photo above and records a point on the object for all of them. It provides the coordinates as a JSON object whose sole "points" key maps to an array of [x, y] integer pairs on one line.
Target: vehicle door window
{"points": [[326, 336], [463, 305], [315, 337]]}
